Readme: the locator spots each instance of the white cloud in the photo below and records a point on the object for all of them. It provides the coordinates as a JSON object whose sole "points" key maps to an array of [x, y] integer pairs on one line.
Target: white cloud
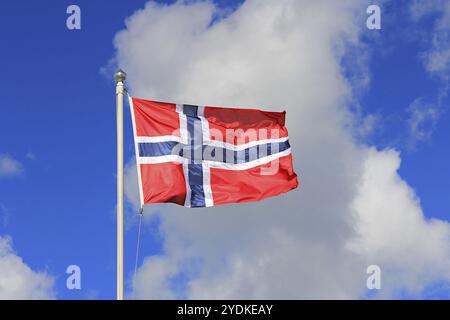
{"points": [[437, 58], [30, 155], [422, 121], [352, 208], [393, 233], [9, 166], [19, 281], [131, 188], [156, 282], [4, 215], [423, 115]]}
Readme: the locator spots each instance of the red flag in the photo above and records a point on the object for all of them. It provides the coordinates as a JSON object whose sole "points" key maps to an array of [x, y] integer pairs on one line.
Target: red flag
{"points": [[200, 156]]}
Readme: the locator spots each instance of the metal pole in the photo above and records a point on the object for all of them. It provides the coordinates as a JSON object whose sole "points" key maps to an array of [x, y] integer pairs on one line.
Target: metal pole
{"points": [[120, 78]]}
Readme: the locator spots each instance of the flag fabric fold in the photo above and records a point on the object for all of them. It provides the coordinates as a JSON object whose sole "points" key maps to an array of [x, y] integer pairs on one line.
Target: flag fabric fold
{"points": [[201, 156]]}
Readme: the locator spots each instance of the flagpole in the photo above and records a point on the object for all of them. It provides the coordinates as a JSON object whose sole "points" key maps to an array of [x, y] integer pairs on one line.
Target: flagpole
{"points": [[120, 77]]}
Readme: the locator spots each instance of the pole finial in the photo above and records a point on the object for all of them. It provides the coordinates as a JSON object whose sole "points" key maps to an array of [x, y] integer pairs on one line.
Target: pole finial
{"points": [[120, 76]]}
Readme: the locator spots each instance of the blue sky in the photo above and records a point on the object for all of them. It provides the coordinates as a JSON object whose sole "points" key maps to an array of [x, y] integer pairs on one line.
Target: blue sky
{"points": [[57, 118], [398, 78]]}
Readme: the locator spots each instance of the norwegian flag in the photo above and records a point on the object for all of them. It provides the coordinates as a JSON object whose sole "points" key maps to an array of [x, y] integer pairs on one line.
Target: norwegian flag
{"points": [[200, 156]]}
